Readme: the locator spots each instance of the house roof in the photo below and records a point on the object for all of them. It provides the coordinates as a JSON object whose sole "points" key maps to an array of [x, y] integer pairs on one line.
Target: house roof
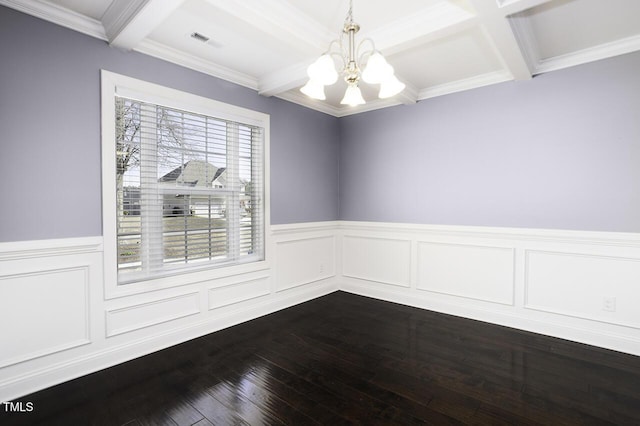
{"points": [[198, 169]]}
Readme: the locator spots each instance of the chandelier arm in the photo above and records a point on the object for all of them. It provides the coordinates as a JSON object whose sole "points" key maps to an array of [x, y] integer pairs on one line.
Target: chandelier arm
{"points": [[339, 55], [335, 49], [362, 55], [331, 44]]}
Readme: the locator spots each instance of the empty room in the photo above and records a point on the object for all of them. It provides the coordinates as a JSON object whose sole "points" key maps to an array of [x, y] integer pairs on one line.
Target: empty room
{"points": [[226, 212]]}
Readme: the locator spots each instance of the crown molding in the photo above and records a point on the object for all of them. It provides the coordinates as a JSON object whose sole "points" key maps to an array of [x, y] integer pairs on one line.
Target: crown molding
{"points": [[160, 51], [370, 106], [298, 98], [59, 15], [465, 84], [128, 22], [595, 53], [344, 111]]}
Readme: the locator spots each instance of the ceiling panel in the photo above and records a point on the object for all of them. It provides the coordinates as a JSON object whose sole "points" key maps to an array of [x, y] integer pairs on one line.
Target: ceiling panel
{"points": [[452, 58], [562, 27]]}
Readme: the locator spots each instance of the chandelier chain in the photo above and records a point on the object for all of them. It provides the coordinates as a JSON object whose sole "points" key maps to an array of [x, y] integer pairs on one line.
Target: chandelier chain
{"points": [[349, 18]]}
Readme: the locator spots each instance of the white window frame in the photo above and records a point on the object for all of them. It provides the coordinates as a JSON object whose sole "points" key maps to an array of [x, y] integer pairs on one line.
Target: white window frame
{"points": [[113, 84]]}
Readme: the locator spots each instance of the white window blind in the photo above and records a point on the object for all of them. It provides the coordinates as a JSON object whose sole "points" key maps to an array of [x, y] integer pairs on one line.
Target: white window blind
{"points": [[190, 191]]}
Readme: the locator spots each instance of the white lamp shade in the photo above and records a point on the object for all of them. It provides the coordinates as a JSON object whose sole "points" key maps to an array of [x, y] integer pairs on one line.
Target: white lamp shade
{"points": [[323, 70], [314, 90], [390, 87], [377, 69], [352, 96]]}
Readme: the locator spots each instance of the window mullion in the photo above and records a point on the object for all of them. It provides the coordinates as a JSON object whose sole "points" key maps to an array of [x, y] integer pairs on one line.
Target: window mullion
{"points": [[233, 182], [151, 209]]}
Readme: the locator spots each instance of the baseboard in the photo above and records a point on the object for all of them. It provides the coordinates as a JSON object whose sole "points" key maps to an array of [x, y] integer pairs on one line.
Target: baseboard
{"points": [[575, 285], [19, 386], [608, 340]]}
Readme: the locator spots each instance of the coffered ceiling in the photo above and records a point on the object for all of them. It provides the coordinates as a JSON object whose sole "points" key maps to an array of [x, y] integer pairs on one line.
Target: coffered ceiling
{"points": [[436, 46]]}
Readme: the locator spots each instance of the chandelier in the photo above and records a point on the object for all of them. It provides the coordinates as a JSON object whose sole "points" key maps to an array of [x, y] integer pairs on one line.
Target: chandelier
{"points": [[357, 63]]}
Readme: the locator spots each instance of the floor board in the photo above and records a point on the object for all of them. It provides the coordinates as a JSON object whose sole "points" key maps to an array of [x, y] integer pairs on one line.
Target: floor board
{"points": [[345, 359]]}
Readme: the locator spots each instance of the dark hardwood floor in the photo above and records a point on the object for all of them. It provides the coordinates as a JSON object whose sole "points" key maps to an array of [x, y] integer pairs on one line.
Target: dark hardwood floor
{"points": [[346, 359]]}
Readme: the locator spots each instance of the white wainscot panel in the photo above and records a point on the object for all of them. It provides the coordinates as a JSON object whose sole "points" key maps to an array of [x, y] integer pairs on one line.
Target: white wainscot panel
{"points": [[135, 317], [600, 288], [303, 261], [43, 312], [238, 292], [378, 259], [477, 272]]}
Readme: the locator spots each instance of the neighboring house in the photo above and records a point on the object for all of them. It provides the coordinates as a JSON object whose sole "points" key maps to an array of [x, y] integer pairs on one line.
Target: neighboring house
{"points": [[194, 174]]}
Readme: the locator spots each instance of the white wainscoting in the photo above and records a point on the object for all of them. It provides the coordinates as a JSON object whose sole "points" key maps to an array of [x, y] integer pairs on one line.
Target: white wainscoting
{"points": [[596, 287], [44, 301], [235, 292], [58, 319], [143, 315], [58, 322], [581, 286], [301, 261], [465, 270], [381, 259]]}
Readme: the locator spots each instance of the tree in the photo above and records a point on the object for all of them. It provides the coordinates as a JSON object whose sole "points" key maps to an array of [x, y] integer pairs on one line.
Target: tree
{"points": [[129, 121], [127, 136]]}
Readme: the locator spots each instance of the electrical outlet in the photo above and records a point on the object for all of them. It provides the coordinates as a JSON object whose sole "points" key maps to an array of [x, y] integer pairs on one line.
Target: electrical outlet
{"points": [[609, 304], [322, 268]]}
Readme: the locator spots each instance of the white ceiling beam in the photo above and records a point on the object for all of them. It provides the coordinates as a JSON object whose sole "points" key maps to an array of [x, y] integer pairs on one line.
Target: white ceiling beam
{"points": [[283, 80], [509, 7], [128, 22], [497, 29], [409, 95]]}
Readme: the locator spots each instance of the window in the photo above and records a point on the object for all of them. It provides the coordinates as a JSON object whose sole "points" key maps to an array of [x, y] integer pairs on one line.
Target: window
{"points": [[188, 175]]}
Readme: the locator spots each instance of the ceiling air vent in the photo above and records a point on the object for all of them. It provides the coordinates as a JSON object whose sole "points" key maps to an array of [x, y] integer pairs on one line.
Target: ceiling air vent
{"points": [[200, 37]]}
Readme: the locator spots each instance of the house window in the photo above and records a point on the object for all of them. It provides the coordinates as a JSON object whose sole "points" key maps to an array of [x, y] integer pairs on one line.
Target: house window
{"points": [[189, 177]]}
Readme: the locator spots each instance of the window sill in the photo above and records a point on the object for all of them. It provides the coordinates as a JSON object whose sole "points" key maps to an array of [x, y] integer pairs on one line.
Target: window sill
{"points": [[114, 290]]}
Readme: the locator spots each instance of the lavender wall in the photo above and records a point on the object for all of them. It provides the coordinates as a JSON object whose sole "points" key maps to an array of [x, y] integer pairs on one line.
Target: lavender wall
{"points": [[559, 151], [50, 132]]}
